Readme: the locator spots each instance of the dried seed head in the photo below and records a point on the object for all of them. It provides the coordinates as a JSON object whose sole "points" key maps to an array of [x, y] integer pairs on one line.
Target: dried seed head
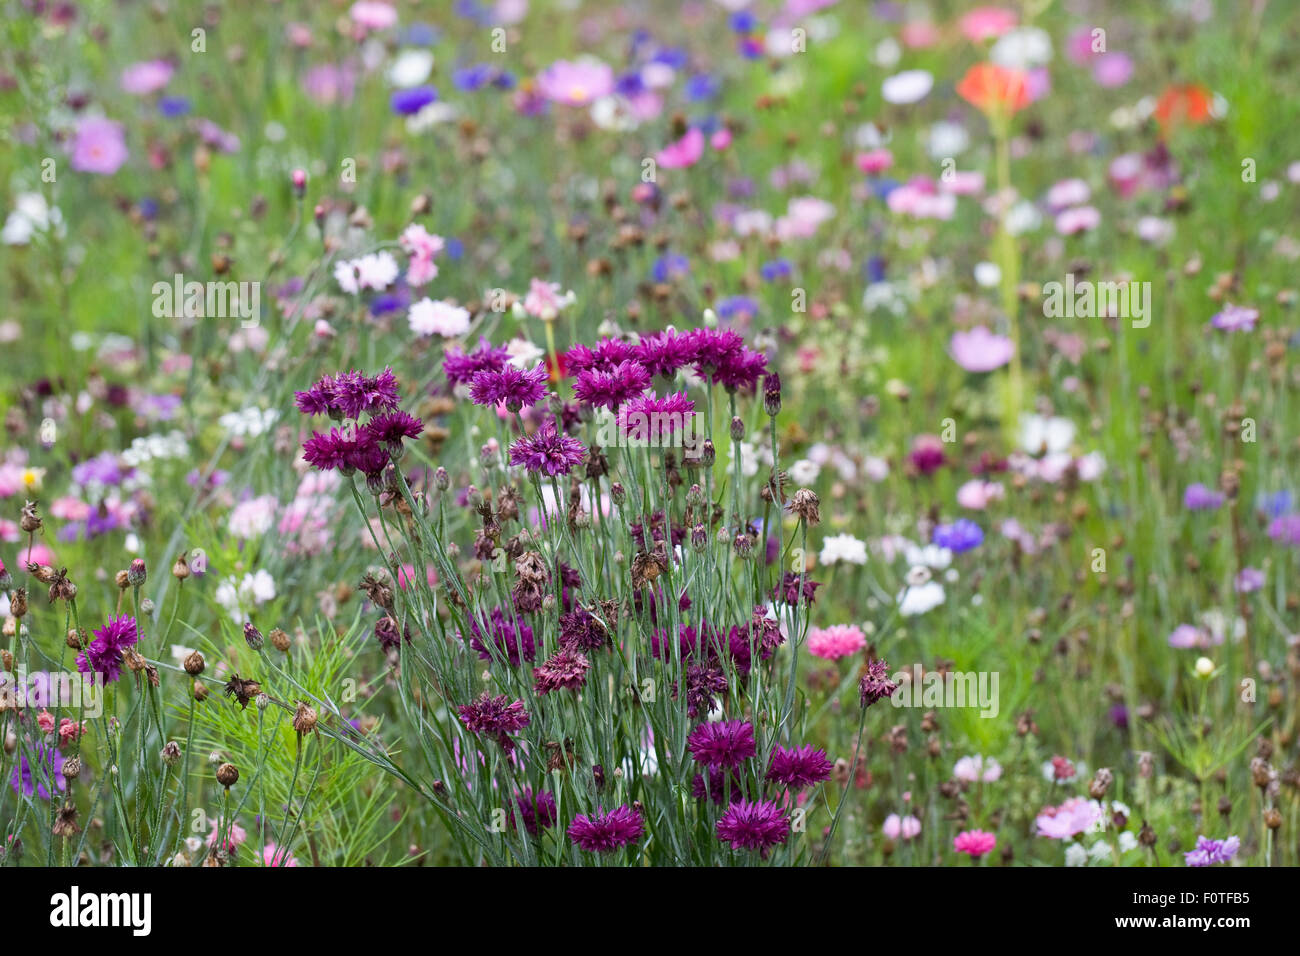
{"points": [[65, 821], [279, 640], [30, 521], [72, 767], [227, 775], [171, 753], [194, 663], [304, 719], [807, 506], [18, 603], [121, 580], [1101, 782], [181, 568]]}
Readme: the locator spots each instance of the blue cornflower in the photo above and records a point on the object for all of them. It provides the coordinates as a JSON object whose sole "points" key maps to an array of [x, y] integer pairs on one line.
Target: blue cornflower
{"points": [[962, 535]]}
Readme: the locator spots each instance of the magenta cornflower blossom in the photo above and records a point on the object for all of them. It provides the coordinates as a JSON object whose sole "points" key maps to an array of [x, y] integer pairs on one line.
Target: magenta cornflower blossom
{"points": [[495, 717], [611, 387], [565, 669], [513, 638], [349, 395], [758, 825], [460, 366], [875, 684], [607, 354], [799, 767], [1208, 852], [389, 428], [726, 743], [663, 353], [580, 629], [103, 655], [721, 785], [652, 419], [537, 810], [741, 372], [98, 146], [720, 355], [975, 843], [547, 452], [606, 832], [516, 387]]}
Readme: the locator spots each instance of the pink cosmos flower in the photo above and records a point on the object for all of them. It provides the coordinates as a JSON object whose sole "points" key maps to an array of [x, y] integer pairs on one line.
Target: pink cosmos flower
{"points": [[150, 76], [684, 153], [98, 146], [576, 82], [836, 641], [908, 827], [980, 350], [721, 139], [1074, 816], [974, 842], [987, 23]]}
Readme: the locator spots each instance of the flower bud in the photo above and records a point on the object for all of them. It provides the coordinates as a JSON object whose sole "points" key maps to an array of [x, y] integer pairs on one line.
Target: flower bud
{"points": [[136, 573], [252, 636], [737, 429], [279, 640], [171, 753], [227, 775]]}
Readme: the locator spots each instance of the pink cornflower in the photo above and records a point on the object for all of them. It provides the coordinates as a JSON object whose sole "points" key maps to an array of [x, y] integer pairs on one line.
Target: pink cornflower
{"points": [[373, 15], [836, 641], [987, 23], [543, 300], [273, 855], [975, 843], [236, 836]]}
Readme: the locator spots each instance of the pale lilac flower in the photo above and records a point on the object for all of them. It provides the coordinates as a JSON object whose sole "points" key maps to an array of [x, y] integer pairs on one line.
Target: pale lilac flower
{"points": [[428, 317], [576, 82], [908, 827], [980, 350], [976, 768], [150, 76]]}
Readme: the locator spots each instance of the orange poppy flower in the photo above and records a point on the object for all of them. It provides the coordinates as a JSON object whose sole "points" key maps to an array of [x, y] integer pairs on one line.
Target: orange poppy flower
{"points": [[995, 89], [1183, 104]]}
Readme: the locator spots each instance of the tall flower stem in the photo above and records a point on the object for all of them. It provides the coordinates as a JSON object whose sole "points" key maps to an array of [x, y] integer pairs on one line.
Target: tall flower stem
{"points": [[1008, 260]]}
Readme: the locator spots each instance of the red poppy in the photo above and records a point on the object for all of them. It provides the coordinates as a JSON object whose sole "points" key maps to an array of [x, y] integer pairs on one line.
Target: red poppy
{"points": [[995, 89], [1183, 104], [557, 370]]}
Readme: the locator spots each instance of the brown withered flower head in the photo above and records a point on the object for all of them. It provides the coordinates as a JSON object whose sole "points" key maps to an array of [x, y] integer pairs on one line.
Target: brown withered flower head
{"points": [[646, 566], [242, 690]]}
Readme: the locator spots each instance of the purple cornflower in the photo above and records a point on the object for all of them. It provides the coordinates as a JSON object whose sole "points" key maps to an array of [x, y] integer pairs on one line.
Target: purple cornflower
{"points": [[566, 668], [649, 418], [1235, 318], [875, 684], [606, 354], [49, 767], [347, 452], [789, 591], [349, 395], [1197, 497], [704, 681], [537, 810], [1285, 528], [389, 428], [581, 630], [758, 825], [547, 452], [103, 655], [512, 637], [512, 385], [459, 366], [722, 785], [663, 353], [726, 743], [1248, 580], [495, 717], [411, 101], [104, 469], [611, 387], [1209, 852], [799, 767], [606, 832], [962, 535]]}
